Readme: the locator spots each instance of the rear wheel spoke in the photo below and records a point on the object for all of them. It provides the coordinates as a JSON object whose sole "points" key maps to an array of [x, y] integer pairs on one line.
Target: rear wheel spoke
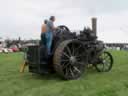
{"points": [[66, 54], [65, 65], [71, 72], [78, 48], [72, 48], [65, 60], [76, 69], [79, 63], [69, 51]]}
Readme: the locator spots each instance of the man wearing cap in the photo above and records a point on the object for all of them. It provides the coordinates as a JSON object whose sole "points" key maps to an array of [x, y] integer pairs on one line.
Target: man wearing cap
{"points": [[49, 33]]}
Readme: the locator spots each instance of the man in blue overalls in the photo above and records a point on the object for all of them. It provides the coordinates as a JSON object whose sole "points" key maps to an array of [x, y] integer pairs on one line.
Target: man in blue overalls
{"points": [[49, 34]]}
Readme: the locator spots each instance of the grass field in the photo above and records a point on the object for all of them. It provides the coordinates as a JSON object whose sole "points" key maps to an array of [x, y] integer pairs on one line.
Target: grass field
{"points": [[92, 83]]}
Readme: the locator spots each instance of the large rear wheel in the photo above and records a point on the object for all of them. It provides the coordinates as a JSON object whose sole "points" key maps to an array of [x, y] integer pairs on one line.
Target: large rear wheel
{"points": [[69, 59]]}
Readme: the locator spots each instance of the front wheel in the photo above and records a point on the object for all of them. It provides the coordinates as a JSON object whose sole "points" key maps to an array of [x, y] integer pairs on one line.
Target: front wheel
{"points": [[105, 62]]}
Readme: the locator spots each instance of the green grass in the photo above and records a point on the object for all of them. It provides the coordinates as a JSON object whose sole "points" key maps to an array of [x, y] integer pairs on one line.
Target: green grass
{"points": [[92, 83]]}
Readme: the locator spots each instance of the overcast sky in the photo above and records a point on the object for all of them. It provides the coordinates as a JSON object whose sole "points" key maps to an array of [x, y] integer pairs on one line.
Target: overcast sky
{"points": [[24, 17]]}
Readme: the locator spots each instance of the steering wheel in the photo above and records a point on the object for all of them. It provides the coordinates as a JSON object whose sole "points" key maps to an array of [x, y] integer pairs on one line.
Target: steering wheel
{"points": [[61, 29]]}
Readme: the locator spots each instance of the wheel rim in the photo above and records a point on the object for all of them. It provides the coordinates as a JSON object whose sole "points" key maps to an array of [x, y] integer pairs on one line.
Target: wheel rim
{"points": [[72, 60], [106, 62]]}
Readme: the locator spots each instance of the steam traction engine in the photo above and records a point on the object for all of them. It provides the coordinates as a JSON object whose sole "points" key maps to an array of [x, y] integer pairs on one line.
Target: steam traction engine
{"points": [[71, 54]]}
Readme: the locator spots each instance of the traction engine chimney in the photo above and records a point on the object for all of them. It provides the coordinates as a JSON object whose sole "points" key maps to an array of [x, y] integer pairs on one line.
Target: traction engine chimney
{"points": [[94, 25]]}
